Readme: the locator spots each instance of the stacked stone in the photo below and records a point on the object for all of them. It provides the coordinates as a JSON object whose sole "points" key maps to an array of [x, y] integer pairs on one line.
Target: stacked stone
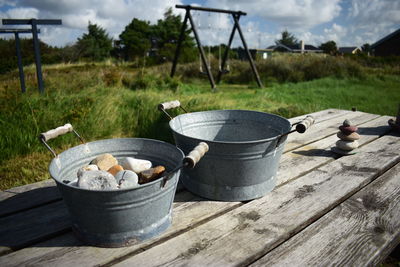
{"points": [[395, 124], [348, 136]]}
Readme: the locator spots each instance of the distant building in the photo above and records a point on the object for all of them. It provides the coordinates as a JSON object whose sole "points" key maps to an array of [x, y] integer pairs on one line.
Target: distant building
{"points": [[387, 46], [297, 48], [349, 50], [255, 53]]}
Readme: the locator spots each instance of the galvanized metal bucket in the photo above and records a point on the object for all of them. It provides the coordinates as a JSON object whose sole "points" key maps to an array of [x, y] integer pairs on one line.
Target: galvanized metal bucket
{"points": [[245, 149], [120, 217]]}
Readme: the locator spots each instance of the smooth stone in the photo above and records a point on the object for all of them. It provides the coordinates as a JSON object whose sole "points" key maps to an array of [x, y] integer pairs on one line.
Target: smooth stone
{"points": [[136, 165], [347, 145], [351, 137], [127, 179], [346, 123], [104, 161], [151, 174], [74, 183], [348, 129], [90, 167], [394, 125], [115, 169], [97, 180], [343, 152]]}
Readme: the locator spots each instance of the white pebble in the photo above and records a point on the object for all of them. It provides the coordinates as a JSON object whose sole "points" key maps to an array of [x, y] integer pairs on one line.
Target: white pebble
{"points": [[347, 145], [90, 167], [127, 179], [97, 180], [135, 165]]}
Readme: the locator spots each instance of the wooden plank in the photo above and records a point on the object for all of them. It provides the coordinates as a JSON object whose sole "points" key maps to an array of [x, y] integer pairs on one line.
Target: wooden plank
{"points": [[29, 196], [250, 231], [322, 115], [359, 232], [32, 226], [66, 250], [304, 159], [24, 188], [204, 210], [324, 129]]}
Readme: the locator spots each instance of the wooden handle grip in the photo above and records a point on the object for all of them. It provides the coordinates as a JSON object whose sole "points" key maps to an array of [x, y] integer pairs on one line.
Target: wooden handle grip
{"points": [[169, 105], [56, 132], [196, 154], [305, 124]]}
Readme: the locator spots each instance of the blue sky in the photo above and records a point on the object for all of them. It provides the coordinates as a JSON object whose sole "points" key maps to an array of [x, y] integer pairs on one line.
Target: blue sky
{"points": [[347, 22]]}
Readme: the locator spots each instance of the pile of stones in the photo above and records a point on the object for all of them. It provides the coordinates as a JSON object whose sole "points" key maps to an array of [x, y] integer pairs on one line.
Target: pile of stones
{"points": [[395, 124], [348, 144], [105, 172]]}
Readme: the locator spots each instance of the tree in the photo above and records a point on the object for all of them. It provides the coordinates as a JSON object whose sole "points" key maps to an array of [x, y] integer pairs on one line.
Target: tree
{"points": [[135, 39], [167, 32], [95, 45], [329, 47], [140, 38], [287, 39], [366, 48]]}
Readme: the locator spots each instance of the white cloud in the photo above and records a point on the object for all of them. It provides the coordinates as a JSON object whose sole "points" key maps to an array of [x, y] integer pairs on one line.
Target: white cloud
{"points": [[290, 13], [372, 20], [314, 21], [112, 15], [335, 33]]}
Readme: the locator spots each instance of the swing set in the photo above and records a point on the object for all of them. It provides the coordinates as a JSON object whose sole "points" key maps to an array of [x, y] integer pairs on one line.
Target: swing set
{"points": [[236, 16]]}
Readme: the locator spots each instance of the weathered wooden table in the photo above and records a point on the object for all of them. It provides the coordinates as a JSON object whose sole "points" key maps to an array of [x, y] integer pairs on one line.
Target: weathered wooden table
{"points": [[325, 210]]}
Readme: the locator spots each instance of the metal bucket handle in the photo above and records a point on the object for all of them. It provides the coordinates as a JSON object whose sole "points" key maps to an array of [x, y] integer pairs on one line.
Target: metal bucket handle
{"points": [[189, 161], [53, 133], [301, 127], [170, 105]]}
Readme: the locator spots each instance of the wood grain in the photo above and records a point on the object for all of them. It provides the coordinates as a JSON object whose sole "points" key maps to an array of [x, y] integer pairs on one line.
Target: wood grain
{"points": [[188, 214], [325, 128], [204, 210], [250, 231], [359, 232], [304, 159]]}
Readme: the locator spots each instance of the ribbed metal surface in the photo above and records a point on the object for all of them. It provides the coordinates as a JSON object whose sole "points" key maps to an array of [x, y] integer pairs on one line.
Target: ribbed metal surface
{"points": [[243, 155], [118, 217]]}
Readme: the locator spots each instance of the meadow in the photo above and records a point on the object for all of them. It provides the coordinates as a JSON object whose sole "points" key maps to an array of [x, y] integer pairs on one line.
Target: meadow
{"points": [[111, 99]]}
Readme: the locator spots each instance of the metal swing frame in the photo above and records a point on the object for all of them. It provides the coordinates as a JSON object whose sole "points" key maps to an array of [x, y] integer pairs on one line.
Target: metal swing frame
{"points": [[236, 17]]}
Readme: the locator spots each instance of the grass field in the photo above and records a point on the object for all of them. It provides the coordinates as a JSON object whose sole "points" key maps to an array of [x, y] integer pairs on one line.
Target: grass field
{"points": [[112, 100]]}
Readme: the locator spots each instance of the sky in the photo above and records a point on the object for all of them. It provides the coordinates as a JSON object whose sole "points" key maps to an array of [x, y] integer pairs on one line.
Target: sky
{"points": [[347, 22]]}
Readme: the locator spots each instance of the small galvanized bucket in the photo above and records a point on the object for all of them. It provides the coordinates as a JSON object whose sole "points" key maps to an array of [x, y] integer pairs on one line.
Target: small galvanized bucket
{"points": [[116, 218], [245, 149]]}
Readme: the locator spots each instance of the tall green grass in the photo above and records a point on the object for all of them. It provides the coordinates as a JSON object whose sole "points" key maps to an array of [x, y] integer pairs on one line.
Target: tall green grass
{"points": [[108, 101]]}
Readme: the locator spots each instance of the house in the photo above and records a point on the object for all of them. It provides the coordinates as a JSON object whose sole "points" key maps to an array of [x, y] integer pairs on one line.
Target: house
{"points": [[349, 50], [255, 53], [388, 45], [297, 48]]}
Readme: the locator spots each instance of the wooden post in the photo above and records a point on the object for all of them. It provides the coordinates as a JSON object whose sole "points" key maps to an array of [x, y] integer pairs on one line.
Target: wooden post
{"points": [[253, 67], [178, 46], [19, 61]]}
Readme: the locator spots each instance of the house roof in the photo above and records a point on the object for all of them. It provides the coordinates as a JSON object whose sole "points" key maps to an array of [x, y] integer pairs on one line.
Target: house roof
{"points": [[387, 37], [295, 48], [347, 49]]}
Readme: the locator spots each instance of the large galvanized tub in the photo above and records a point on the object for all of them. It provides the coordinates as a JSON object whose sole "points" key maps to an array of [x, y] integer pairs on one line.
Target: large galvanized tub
{"points": [[244, 150], [118, 217]]}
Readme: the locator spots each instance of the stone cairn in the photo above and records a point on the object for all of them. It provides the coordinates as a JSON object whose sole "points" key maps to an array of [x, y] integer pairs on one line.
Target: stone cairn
{"points": [[395, 124], [348, 136]]}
